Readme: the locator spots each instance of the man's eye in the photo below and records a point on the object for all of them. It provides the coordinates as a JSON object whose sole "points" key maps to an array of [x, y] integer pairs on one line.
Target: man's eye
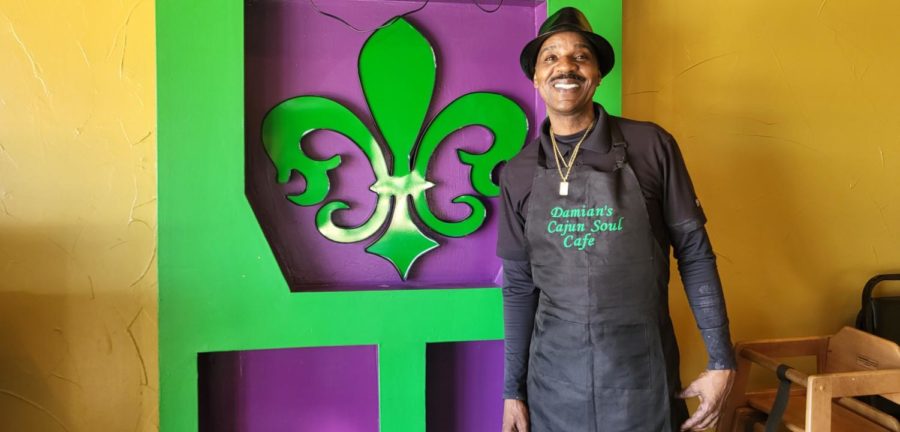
{"points": [[550, 58]]}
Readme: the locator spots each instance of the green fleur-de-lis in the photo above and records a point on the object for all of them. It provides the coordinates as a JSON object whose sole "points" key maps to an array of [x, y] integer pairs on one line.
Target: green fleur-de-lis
{"points": [[397, 72]]}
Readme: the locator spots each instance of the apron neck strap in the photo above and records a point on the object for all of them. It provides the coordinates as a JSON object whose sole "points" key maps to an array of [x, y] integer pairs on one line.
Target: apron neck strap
{"points": [[618, 141]]}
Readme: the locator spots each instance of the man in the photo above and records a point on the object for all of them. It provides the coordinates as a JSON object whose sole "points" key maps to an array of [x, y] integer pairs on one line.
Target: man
{"points": [[589, 212]]}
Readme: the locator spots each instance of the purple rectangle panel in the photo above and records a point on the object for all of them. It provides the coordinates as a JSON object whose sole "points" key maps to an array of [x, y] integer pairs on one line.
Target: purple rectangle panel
{"points": [[464, 381], [292, 50], [328, 389]]}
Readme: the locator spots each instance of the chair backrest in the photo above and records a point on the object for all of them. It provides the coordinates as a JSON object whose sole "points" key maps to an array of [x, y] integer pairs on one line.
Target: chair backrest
{"points": [[855, 350]]}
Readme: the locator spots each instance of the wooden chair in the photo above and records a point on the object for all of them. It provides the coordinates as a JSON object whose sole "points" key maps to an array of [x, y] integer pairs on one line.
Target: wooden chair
{"points": [[849, 363]]}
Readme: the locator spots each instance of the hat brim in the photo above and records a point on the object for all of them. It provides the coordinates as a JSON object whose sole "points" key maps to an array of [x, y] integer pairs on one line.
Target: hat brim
{"points": [[606, 57]]}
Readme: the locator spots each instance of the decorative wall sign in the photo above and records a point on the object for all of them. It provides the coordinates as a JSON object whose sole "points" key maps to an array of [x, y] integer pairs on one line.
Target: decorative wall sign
{"points": [[397, 69]]}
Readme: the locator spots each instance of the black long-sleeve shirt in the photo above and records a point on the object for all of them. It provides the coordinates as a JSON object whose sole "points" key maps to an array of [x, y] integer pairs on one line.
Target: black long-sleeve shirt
{"points": [[676, 219]]}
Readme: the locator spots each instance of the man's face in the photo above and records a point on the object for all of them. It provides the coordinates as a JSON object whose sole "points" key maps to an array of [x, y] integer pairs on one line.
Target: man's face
{"points": [[566, 73]]}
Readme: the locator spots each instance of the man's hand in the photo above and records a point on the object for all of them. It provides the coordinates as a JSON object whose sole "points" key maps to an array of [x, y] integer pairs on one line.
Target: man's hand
{"points": [[515, 416], [712, 386]]}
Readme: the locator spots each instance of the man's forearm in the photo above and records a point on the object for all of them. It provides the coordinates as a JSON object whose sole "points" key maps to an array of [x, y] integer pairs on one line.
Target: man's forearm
{"points": [[700, 277], [519, 304]]}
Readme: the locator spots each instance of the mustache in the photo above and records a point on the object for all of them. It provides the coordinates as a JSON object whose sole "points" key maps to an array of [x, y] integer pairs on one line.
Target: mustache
{"points": [[569, 76]]}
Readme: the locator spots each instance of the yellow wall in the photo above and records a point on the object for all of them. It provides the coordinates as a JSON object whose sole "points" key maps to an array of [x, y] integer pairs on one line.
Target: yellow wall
{"points": [[77, 216], [788, 113]]}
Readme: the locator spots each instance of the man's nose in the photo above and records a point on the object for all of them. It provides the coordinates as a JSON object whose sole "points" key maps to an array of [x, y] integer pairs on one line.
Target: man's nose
{"points": [[566, 65]]}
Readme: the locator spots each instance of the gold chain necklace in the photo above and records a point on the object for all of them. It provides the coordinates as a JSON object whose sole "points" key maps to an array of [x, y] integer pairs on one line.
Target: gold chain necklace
{"points": [[561, 161]]}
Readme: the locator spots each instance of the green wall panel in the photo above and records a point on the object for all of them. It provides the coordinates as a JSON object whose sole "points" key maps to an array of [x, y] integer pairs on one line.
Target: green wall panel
{"points": [[220, 287]]}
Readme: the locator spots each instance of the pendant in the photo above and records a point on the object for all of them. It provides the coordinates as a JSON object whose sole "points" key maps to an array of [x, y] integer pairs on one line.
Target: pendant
{"points": [[563, 188]]}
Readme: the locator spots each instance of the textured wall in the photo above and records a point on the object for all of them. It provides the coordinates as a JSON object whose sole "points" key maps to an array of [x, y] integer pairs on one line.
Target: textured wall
{"points": [[788, 114], [77, 216]]}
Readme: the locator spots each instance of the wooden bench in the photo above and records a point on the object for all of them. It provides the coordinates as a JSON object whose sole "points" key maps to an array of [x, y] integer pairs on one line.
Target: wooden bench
{"points": [[849, 363]]}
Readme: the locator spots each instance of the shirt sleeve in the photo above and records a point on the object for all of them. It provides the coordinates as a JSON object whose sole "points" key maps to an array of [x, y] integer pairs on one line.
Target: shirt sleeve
{"points": [[511, 227], [700, 277], [681, 207], [520, 299]]}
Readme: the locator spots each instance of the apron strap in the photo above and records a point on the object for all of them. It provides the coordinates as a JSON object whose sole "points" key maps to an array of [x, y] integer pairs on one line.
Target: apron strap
{"points": [[542, 158], [618, 142]]}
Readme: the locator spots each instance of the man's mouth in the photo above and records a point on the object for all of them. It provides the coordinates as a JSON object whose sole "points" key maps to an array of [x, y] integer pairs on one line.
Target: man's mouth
{"points": [[567, 81], [566, 86]]}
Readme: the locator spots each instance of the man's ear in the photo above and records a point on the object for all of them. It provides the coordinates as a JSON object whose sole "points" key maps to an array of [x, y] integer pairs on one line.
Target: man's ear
{"points": [[534, 80]]}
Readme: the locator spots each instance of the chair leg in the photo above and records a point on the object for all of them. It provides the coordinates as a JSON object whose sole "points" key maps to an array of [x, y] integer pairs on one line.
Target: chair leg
{"points": [[737, 399], [744, 419], [818, 404]]}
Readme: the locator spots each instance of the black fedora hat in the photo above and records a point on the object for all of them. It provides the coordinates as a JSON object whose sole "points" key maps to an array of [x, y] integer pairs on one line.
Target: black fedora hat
{"points": [[568, 19]]}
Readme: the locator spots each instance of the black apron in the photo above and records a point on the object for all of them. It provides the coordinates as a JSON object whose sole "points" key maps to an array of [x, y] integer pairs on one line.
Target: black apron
{"points": [[602, 335]]}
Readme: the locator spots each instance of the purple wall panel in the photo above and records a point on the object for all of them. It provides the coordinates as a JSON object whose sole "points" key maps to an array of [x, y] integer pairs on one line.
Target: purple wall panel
{"points": [[331, 389], [464, 381], [292, 50]]}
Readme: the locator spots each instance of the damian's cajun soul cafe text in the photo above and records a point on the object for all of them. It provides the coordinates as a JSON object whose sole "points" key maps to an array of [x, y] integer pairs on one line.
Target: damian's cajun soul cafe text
{"points": [[579, 227]]}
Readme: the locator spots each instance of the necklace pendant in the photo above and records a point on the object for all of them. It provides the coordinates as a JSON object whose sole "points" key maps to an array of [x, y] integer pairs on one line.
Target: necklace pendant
{"points": [[563, 188]]}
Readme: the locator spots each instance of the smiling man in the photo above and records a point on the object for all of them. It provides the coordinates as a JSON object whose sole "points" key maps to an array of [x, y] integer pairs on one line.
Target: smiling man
{"points": [[590, 213]]}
